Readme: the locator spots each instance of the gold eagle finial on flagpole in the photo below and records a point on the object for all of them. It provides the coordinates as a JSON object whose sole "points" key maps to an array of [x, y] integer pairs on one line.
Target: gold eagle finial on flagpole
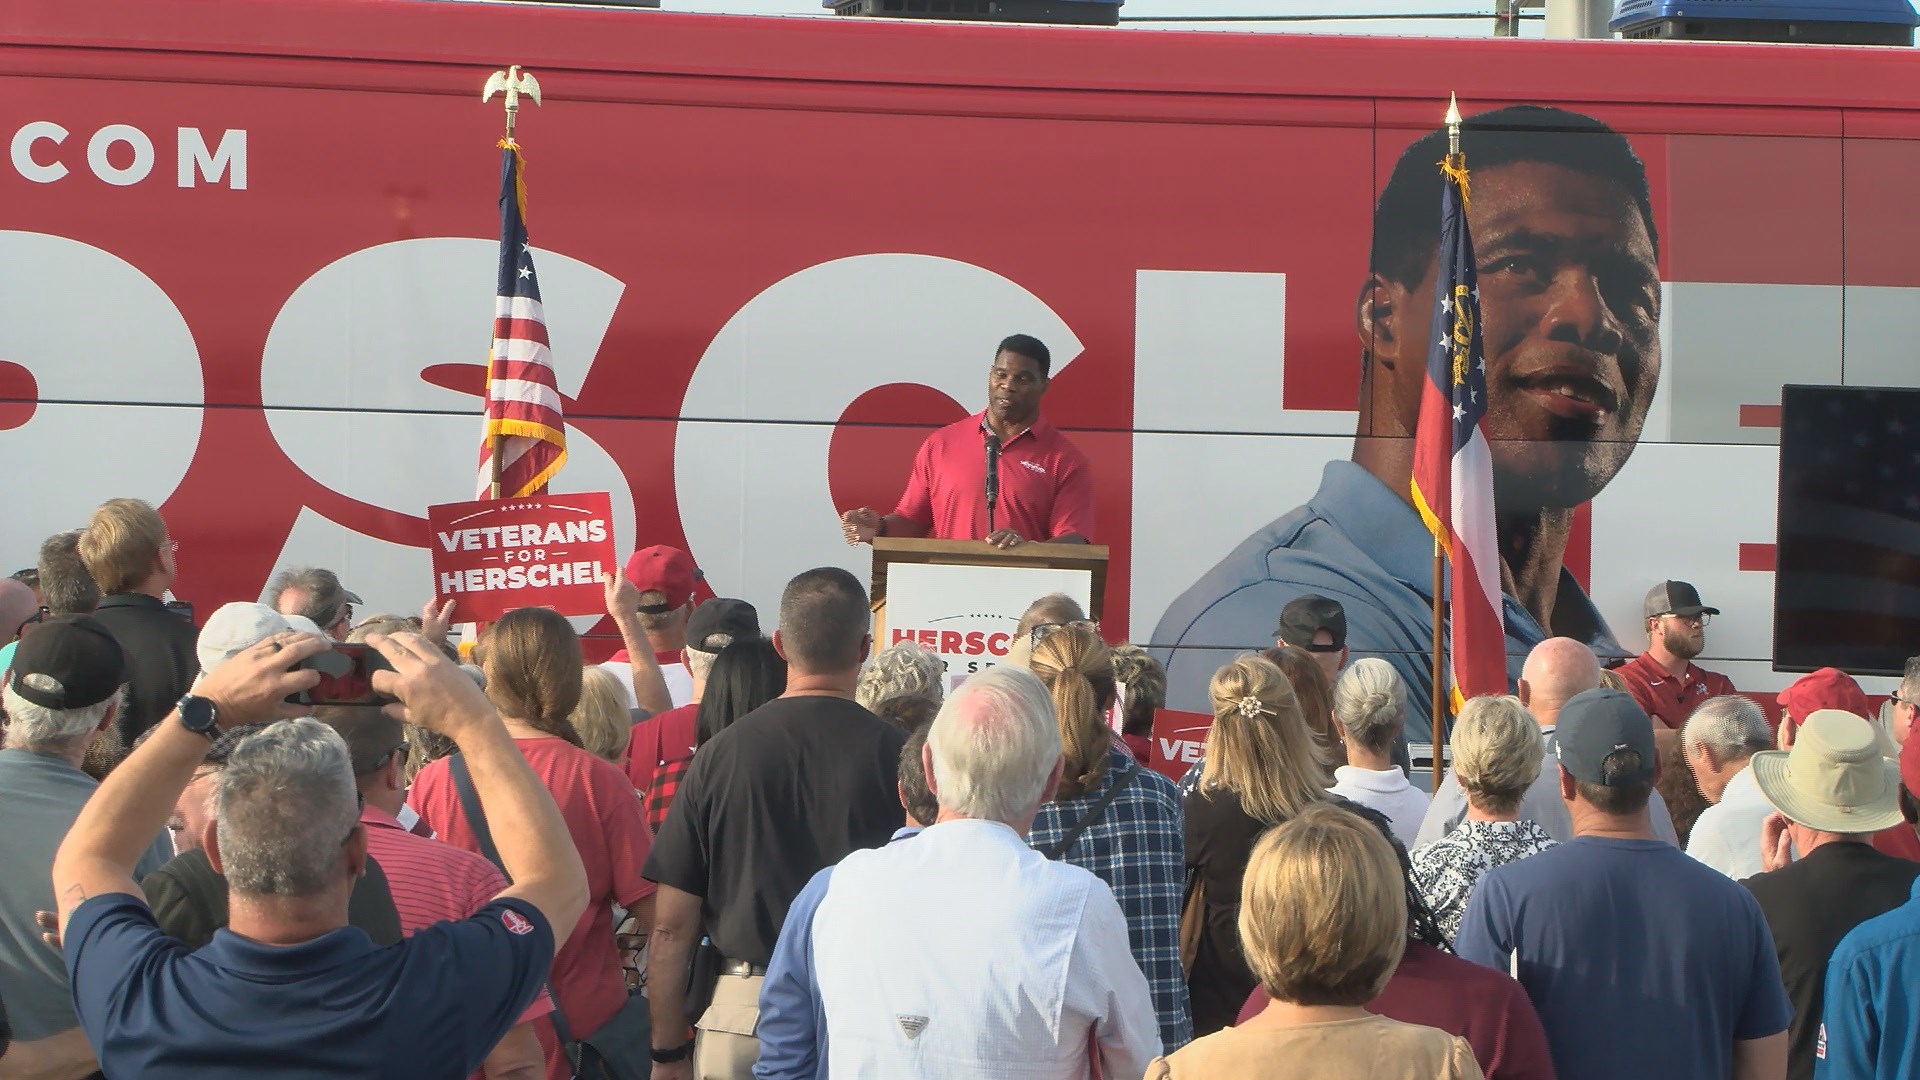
{"points": [[513, 82]]}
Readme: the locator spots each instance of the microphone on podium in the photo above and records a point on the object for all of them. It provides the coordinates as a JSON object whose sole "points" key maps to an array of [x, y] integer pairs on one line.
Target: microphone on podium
{"points": [[993, 477]]}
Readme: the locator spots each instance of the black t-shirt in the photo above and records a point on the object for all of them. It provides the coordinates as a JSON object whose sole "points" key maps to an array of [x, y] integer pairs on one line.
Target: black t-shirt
{"points": [[788, 789], [1810, 906], [159, 647], [188, 898]]}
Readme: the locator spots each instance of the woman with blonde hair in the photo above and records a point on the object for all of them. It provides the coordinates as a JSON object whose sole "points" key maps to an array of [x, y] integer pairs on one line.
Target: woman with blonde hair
{"points": [[1113, 817], [534, 673], [1497, 751], [1323, 921], [1263, 766], [602, 719]]}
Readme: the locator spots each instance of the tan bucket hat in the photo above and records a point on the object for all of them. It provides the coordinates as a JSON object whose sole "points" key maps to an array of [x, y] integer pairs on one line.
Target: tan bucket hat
{"points": [[1834, 779]]}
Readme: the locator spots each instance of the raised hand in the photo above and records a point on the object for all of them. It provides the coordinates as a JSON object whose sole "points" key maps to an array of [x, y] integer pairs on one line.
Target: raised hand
{"points": [[434, 693], [252, 687]]}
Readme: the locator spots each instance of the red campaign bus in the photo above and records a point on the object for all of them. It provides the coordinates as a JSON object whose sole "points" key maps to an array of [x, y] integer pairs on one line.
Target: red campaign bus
{"points": [[247, 250]]}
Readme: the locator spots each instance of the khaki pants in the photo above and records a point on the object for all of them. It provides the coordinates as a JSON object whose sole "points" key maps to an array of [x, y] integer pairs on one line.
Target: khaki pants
{"points": [[724, 1046]]}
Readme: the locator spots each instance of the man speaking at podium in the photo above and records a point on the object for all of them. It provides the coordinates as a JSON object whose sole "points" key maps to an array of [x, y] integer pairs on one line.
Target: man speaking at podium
{"points": [[1004, 475]]}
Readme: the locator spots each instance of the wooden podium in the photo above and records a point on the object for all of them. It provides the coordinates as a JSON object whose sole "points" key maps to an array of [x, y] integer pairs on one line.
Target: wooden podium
{"points": [[978, 607]]}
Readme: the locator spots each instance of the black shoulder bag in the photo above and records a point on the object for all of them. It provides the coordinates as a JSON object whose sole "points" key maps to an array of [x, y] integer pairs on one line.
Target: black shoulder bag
{"points": [[622, 1049], [1065, 844]]}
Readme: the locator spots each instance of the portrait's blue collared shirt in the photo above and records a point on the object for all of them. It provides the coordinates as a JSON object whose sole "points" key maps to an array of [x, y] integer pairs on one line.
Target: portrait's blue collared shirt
{"points": [[1359, 543]]}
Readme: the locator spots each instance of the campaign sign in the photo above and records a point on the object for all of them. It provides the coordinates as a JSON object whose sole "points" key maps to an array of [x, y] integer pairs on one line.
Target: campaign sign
{"points": [[1179, 741], [501, 554], [966, 615]]}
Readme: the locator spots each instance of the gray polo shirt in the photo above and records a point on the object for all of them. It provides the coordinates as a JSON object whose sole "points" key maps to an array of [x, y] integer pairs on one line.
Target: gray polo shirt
{"points": [[40, 796]]}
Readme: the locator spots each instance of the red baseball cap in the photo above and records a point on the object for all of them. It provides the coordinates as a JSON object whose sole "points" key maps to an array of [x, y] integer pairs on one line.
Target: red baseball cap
{"points": [[1827, 688], [665, 570]]}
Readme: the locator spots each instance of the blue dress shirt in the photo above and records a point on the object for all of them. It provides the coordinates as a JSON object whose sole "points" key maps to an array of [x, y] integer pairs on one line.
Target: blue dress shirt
{"points": [[1870, 1028], [1359, 543]]}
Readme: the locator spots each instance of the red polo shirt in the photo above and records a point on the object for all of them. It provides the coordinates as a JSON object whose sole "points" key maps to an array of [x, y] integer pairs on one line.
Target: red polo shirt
{"points": [[1046, 485], [436, 882], [1665, 698]]}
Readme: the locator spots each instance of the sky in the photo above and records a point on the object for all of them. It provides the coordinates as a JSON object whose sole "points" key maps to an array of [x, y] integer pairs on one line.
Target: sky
{"points": [[1480, 27]]}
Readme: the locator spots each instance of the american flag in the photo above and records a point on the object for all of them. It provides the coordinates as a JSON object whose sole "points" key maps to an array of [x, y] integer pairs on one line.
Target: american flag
{"points": [[1452, 465], [523, 398]]}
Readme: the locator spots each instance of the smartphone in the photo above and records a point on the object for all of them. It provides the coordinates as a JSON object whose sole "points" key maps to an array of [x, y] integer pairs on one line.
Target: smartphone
{"points": [[346, 676]]}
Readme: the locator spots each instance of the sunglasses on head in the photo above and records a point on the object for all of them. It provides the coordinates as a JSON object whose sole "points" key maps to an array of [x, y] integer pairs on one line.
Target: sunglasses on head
{"points": [[1040, 632]]}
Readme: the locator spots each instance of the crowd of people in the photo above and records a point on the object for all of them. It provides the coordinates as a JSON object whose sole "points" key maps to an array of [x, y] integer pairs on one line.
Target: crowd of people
{"points": [[728, 853]]}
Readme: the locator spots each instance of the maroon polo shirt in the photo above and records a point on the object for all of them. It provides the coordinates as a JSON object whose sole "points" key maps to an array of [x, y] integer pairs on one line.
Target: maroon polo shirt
{"points": [[1665, 698], [1046, 485], [1483, 1006]]}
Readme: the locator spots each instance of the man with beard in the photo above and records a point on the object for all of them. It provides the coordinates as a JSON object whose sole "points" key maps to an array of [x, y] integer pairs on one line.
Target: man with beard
{"points": [[1663, 679], [1570, 306]]}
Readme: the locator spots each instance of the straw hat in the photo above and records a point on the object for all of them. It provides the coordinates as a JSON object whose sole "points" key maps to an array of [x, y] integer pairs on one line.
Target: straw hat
{"points": [[1834, 779]]}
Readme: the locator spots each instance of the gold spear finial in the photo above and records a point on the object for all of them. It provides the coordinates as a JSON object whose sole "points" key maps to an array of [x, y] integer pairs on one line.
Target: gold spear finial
{"points": [[513, 82]]}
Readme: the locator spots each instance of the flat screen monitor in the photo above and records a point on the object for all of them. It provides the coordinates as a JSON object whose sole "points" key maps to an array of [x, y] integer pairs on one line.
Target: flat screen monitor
{"points": [[1847, 582]]}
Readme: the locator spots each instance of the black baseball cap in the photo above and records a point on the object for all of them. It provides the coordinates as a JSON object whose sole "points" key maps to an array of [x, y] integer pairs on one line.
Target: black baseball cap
{"points": [[1595, 723], [68, 662], [1676, 598], [1305, 616], [735, 618]]}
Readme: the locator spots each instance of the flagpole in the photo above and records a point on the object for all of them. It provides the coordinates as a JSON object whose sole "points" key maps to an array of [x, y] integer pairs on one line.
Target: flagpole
{"points": [[1439, 707], [512, 83]]}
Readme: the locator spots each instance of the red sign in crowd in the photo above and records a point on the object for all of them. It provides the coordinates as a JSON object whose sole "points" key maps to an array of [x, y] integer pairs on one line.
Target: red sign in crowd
{"points": [[548, 552]]}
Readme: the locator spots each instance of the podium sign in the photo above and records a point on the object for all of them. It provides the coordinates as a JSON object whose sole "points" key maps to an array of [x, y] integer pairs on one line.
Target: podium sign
{"points": [[966, 615]]}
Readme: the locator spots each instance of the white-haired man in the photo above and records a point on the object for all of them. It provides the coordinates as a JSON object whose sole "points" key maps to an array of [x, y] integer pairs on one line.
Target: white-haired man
{"points": [[1719, 740], [872, 975], [63, 687], [288, 987]]}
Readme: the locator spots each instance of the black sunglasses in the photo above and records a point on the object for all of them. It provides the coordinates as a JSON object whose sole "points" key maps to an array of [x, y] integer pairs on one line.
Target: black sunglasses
{"points": [[34, 619]]}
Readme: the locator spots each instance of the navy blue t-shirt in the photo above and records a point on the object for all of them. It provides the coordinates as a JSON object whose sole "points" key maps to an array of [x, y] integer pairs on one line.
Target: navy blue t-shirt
{"points": [[433, 1005], [1640, 961]]}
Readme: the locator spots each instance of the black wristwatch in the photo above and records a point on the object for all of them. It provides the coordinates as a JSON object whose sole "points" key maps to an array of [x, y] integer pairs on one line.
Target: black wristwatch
{"points": [[197, 714], [678, 1053]]}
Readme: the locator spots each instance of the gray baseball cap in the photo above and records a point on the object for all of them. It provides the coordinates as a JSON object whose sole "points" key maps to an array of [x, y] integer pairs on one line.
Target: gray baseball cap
{"points": [[1595, 723], [1676, 598]]}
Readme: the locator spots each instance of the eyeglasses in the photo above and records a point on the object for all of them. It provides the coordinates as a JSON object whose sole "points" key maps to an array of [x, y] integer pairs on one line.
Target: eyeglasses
{"points": [[398, 751], [1898, 700], [1040, 632], [34, 619], [1702, 619]]}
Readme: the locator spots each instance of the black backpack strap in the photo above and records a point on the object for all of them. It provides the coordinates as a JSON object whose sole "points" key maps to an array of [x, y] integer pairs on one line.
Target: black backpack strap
{"points": [[477, 819], [1065, 844]]}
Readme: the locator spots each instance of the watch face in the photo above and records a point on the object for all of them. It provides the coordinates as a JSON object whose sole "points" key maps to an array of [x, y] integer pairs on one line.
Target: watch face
{"points": [[197, 714]]}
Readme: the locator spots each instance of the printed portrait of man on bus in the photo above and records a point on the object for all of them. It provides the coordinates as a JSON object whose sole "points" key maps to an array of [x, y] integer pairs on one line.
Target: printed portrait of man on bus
{"points": [[1566, 248]]}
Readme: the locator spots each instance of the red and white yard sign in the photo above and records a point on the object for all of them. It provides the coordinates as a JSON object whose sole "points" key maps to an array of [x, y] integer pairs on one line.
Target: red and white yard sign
{"points": [[497, 555]]}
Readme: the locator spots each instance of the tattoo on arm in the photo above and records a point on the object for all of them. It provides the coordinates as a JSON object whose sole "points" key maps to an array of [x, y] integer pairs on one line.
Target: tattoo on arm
{"points": [[74, 896]]}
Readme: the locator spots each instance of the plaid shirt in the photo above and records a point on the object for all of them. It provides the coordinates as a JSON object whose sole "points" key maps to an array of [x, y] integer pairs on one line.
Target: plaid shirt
{"points": [[666, 784], [1138, 847]]}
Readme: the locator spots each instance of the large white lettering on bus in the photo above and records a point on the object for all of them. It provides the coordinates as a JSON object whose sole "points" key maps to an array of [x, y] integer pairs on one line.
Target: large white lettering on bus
{"points": [[341, 382], [104, 384], [123, 155]]}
